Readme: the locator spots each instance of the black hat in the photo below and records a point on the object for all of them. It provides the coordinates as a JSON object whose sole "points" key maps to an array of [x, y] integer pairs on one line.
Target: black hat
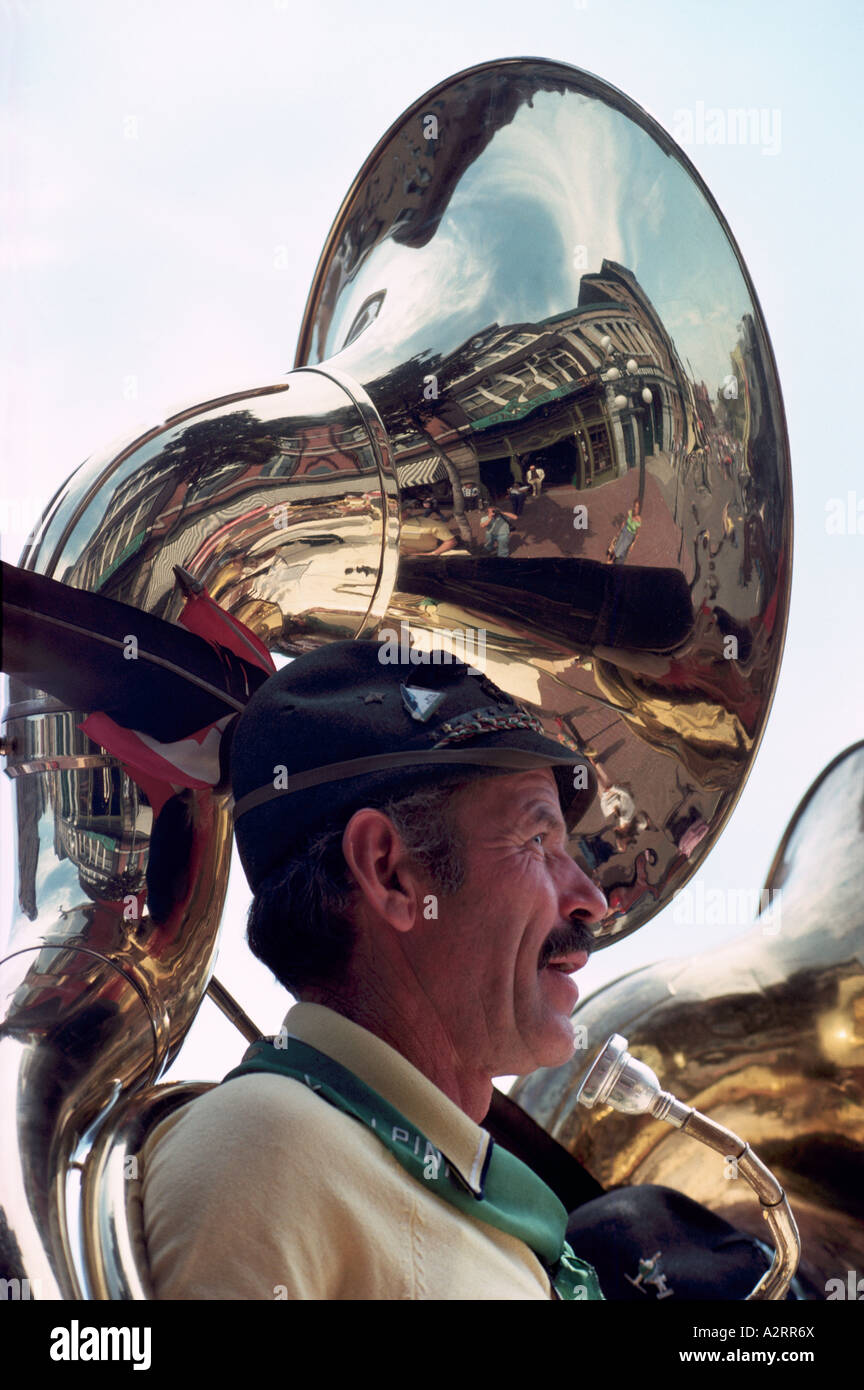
{"points": [[354, 721]]}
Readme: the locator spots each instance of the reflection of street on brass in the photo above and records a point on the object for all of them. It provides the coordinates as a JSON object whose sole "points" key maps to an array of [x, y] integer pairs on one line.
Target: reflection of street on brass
{"points": [[549, 525], [545, 526]]}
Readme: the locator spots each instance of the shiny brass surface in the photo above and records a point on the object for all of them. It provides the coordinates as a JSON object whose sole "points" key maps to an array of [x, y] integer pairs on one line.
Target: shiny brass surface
{"points": [[117, 926], [228, 1005], [113, 1246], [526, 272], [764, 1035], [630, 1087]]}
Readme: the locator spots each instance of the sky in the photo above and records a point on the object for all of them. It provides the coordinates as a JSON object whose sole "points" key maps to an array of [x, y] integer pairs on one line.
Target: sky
{"points": [[168, 174]]}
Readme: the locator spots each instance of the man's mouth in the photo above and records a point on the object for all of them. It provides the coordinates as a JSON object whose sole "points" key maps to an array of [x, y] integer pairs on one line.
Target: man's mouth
{"points": [[566, 949], [567, 963], [556, 967]]}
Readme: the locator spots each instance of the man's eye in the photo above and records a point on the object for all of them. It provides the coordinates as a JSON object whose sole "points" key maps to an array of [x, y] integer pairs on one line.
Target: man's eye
{"points": [[541, 836]]}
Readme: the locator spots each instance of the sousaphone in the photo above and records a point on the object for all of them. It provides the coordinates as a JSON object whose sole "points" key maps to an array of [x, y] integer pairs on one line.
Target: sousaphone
{"points": [[529, 308]]}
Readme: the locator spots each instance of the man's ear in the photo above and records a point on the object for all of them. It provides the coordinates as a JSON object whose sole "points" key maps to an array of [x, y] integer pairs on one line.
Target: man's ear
{"points": [[381, 869]]}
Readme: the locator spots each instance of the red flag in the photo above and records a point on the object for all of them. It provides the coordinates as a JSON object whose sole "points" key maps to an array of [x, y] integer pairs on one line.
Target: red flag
{"points": [[161, 769], [203, 616]]}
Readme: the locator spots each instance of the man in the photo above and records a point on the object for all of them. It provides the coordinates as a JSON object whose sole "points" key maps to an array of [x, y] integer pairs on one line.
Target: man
{"points": [[405, 835], [624, 542], [496, 524], [617, 802], [535, 476], [517, 492], [423, 534], [429, 507]]}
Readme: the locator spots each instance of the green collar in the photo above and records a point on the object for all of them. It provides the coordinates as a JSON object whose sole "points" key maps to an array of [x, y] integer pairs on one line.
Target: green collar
{"points": [[509, 1196]]}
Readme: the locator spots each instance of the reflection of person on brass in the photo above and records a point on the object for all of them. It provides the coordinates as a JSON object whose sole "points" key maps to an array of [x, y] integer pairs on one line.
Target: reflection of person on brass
{"points": [[617, 802], [496, 524], [429, 507], [732, 520], [535, 477], [595, 850], [624, 542], [423, 535], [624, 897], [516, 493]]}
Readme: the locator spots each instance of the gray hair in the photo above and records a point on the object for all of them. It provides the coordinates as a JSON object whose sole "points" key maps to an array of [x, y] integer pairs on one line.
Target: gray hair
{"points": [[301, 922]]}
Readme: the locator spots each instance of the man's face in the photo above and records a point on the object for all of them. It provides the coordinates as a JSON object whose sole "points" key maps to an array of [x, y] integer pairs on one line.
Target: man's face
{"points": [[497, 960]]}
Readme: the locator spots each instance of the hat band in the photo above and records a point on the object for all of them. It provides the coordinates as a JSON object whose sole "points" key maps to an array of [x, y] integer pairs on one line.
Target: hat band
{"points": [[520, 759]]}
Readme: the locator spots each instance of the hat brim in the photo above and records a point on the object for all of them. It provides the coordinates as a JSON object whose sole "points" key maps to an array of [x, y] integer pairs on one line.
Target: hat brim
{"points": [[322, 793]]}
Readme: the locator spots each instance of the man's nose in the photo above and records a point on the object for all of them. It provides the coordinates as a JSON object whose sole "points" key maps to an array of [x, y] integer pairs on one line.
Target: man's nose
{"points": [[581, 899]]}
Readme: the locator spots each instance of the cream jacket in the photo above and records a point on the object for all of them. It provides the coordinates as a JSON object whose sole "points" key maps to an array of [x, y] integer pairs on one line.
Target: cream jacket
{"points": [[260, 1189]]}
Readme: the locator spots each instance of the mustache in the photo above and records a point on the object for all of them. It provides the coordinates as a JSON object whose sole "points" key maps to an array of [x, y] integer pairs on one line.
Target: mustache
{"points": [[574, 936]]}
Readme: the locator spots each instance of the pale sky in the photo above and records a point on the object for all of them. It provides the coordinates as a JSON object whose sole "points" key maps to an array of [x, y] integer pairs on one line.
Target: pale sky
{"points": [[169, 173]]}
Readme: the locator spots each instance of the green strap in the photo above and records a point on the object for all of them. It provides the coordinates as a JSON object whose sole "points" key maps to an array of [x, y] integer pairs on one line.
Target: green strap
{"points": [[513, 1199]]}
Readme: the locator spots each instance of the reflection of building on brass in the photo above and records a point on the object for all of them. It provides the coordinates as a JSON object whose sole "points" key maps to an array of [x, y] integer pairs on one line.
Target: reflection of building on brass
{"points": [[530, 391]]}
